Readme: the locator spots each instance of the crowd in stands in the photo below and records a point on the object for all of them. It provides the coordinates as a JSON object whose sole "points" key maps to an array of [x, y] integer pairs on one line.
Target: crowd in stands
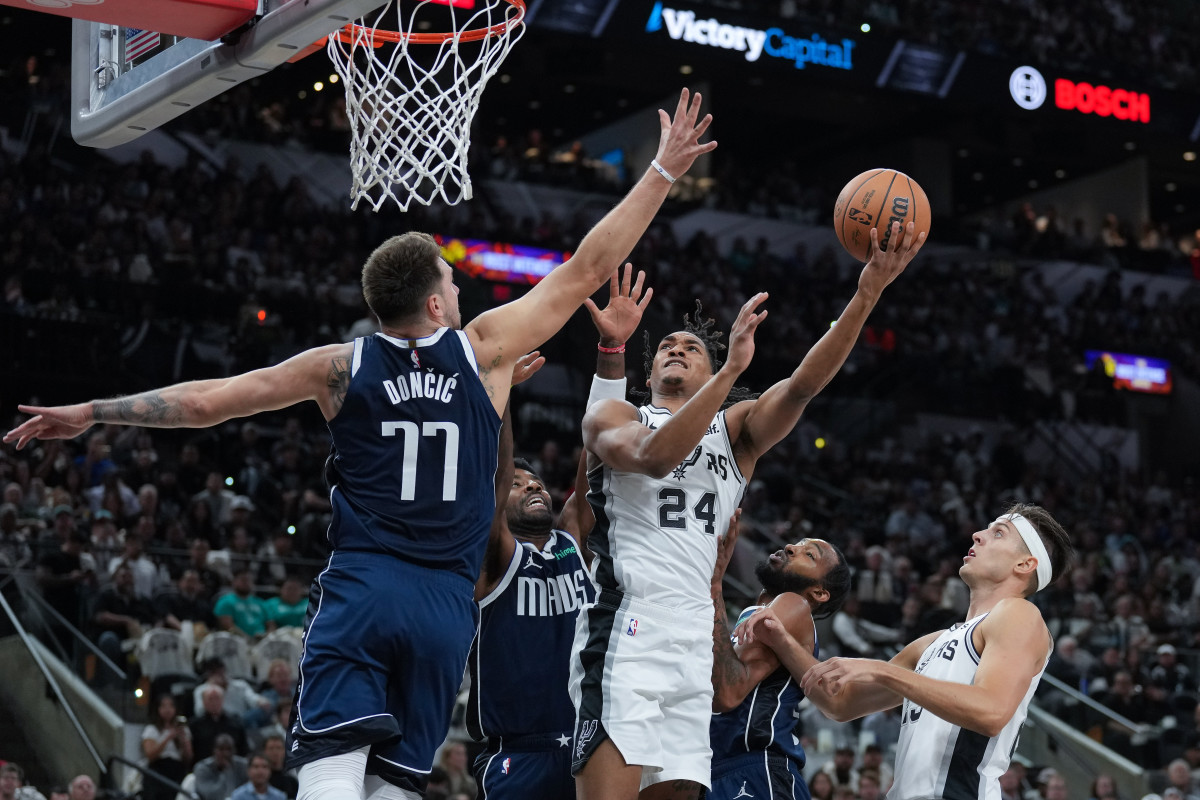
{"points": [[139, 275], [1157, 41]]}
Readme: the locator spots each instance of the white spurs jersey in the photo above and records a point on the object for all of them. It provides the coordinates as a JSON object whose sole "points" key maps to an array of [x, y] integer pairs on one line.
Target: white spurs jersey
{"points": [[656, 538], [935, 759]]}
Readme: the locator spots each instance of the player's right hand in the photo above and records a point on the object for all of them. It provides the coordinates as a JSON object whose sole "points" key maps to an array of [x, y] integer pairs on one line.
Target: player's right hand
{"points": [[59, 422], [741, 335], [885, 267], [678, 142]]}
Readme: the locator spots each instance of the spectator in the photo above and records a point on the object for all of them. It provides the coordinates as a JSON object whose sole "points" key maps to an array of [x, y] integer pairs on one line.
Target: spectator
{"points": [[64, 577], [1103, 788], [820, 787], [1011, 780], [868, 785], [1179, 777], [186, 603], [240, 701], [276, 753], [12, 780], [1168, 673], [241, 611], [1123, 698], [280, 685], [214, 722], [105, 543], [1056, 787], [273, 558], [453, 760], [210, 580], [121, 616], [218, 775], [218, 499], [167, 747], [289, 609], [872, 760], [258, 787], [145, 572], [841, 769]]}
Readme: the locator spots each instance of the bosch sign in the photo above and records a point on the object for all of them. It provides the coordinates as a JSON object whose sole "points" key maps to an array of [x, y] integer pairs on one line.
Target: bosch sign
{"points": [[1101, 100], [774, 42], [1028, 90]]}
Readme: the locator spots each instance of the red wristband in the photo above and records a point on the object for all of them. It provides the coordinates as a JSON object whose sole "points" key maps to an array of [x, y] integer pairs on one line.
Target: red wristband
{"points": [[610, 350]]}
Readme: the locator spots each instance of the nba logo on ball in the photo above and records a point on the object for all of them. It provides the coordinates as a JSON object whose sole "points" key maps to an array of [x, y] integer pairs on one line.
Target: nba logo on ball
{"points": [[632, 629]]}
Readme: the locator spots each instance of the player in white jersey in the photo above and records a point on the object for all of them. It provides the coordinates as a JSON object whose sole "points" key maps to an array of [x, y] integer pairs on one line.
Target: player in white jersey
{"points": [[965, 690], [664, 479]]}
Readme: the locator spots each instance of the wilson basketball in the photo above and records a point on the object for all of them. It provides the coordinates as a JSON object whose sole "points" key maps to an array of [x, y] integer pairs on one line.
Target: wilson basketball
{"points": [[876, 199]]}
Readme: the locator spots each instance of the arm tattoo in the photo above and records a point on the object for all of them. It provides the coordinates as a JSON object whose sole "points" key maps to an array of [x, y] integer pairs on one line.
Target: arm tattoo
{"points": [[728, 669], [338, 381], [148, 408], [484, 372]]}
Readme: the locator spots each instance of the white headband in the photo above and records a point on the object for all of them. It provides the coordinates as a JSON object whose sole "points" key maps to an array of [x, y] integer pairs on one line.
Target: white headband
{"points": [[1030, 536]]}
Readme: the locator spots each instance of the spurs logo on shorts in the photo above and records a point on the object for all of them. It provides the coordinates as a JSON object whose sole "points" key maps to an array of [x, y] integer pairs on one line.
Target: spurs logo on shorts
{"points": [[586, 731]]}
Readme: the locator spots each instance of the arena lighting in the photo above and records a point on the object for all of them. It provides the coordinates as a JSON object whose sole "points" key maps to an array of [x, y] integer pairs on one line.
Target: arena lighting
{"points": [[229, 481], [1189, 156], [820, 443]]}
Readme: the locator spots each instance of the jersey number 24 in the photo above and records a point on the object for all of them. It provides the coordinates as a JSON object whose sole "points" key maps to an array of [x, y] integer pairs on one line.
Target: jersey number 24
{"points": [[672, 509]]}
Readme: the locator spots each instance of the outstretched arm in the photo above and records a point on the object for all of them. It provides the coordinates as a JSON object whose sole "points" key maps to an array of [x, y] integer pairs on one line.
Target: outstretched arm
{"points": [[1014, 644], [321, 374], [615, 324], [501, 544], [612, 431], [773, 415], [737, 669], [501, 334]]}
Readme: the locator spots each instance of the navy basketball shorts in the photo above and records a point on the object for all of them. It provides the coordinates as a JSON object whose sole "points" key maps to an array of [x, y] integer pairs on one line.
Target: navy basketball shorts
{"points": [[526, 767], [760, 774], [385, 646]]}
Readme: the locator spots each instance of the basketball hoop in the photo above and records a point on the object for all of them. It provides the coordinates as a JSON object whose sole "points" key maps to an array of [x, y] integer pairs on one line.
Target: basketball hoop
{"points": [[410, 116]]}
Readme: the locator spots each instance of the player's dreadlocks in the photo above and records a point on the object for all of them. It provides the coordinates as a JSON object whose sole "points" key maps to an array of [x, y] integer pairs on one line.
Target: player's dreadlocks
{"points": [[703, 329]]}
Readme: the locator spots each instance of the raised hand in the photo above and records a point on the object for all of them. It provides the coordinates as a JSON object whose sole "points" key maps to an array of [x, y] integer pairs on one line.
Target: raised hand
{"points": [[678, 144], [525, 366], [884, 267], [58, 422], [626, 304], [741, 335]]}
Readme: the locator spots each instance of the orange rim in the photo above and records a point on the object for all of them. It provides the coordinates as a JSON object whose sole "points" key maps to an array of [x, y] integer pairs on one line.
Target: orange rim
{"points": [[377, 36]]}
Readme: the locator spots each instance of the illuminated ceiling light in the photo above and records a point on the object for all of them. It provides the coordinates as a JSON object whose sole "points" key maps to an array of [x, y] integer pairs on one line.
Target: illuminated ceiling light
{"points": [[1189, 156], [685, 69], [865, 27], [318, 86], [505, 78]]}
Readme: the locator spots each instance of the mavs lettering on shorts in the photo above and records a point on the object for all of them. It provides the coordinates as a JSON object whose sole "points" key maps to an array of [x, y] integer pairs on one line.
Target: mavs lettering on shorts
{"points": [[521, 656], [415, 453]]}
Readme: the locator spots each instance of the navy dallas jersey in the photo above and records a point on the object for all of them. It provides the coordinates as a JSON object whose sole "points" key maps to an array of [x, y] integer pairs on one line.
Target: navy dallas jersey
{"points": [[755, 743], [391, 618], [415, 454], [519, 664]]}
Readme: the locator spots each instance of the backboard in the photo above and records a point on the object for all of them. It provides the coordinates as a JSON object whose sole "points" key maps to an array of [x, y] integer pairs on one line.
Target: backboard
{"points": [[129, 80]]}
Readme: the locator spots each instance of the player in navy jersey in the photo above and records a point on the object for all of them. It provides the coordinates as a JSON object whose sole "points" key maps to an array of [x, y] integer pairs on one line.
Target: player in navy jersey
{"points": [[534, 583], [414, 412], [965, 691], [663, 480], [755, 698]]}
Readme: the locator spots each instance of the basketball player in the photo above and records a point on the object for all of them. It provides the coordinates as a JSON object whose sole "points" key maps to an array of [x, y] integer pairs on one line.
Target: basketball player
{"points": [[414, 414], [533, 584], [664, 479], [754, 696], [964, 690]]}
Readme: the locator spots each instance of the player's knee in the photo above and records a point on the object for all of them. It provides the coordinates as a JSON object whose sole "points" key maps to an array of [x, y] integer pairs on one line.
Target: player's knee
{"points": [[337, 777]]}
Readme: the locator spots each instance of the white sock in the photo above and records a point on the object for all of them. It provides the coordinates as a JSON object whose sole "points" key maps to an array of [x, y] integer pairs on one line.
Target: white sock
{"points": [[334, 777], [376, 788]]}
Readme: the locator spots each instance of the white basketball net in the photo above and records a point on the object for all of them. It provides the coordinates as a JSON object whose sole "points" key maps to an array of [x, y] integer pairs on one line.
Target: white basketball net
{"points": [[411, 104]]}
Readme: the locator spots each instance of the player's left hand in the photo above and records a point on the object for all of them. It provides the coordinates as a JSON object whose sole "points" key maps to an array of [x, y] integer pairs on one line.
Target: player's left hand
{"points": [[725, 547], [626, 304], [885, 267], [58, 422], [834, 674], [525, 366]]}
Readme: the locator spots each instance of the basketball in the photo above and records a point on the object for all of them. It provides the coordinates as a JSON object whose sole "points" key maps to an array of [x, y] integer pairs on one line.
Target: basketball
{"points": [[877, 198]]}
